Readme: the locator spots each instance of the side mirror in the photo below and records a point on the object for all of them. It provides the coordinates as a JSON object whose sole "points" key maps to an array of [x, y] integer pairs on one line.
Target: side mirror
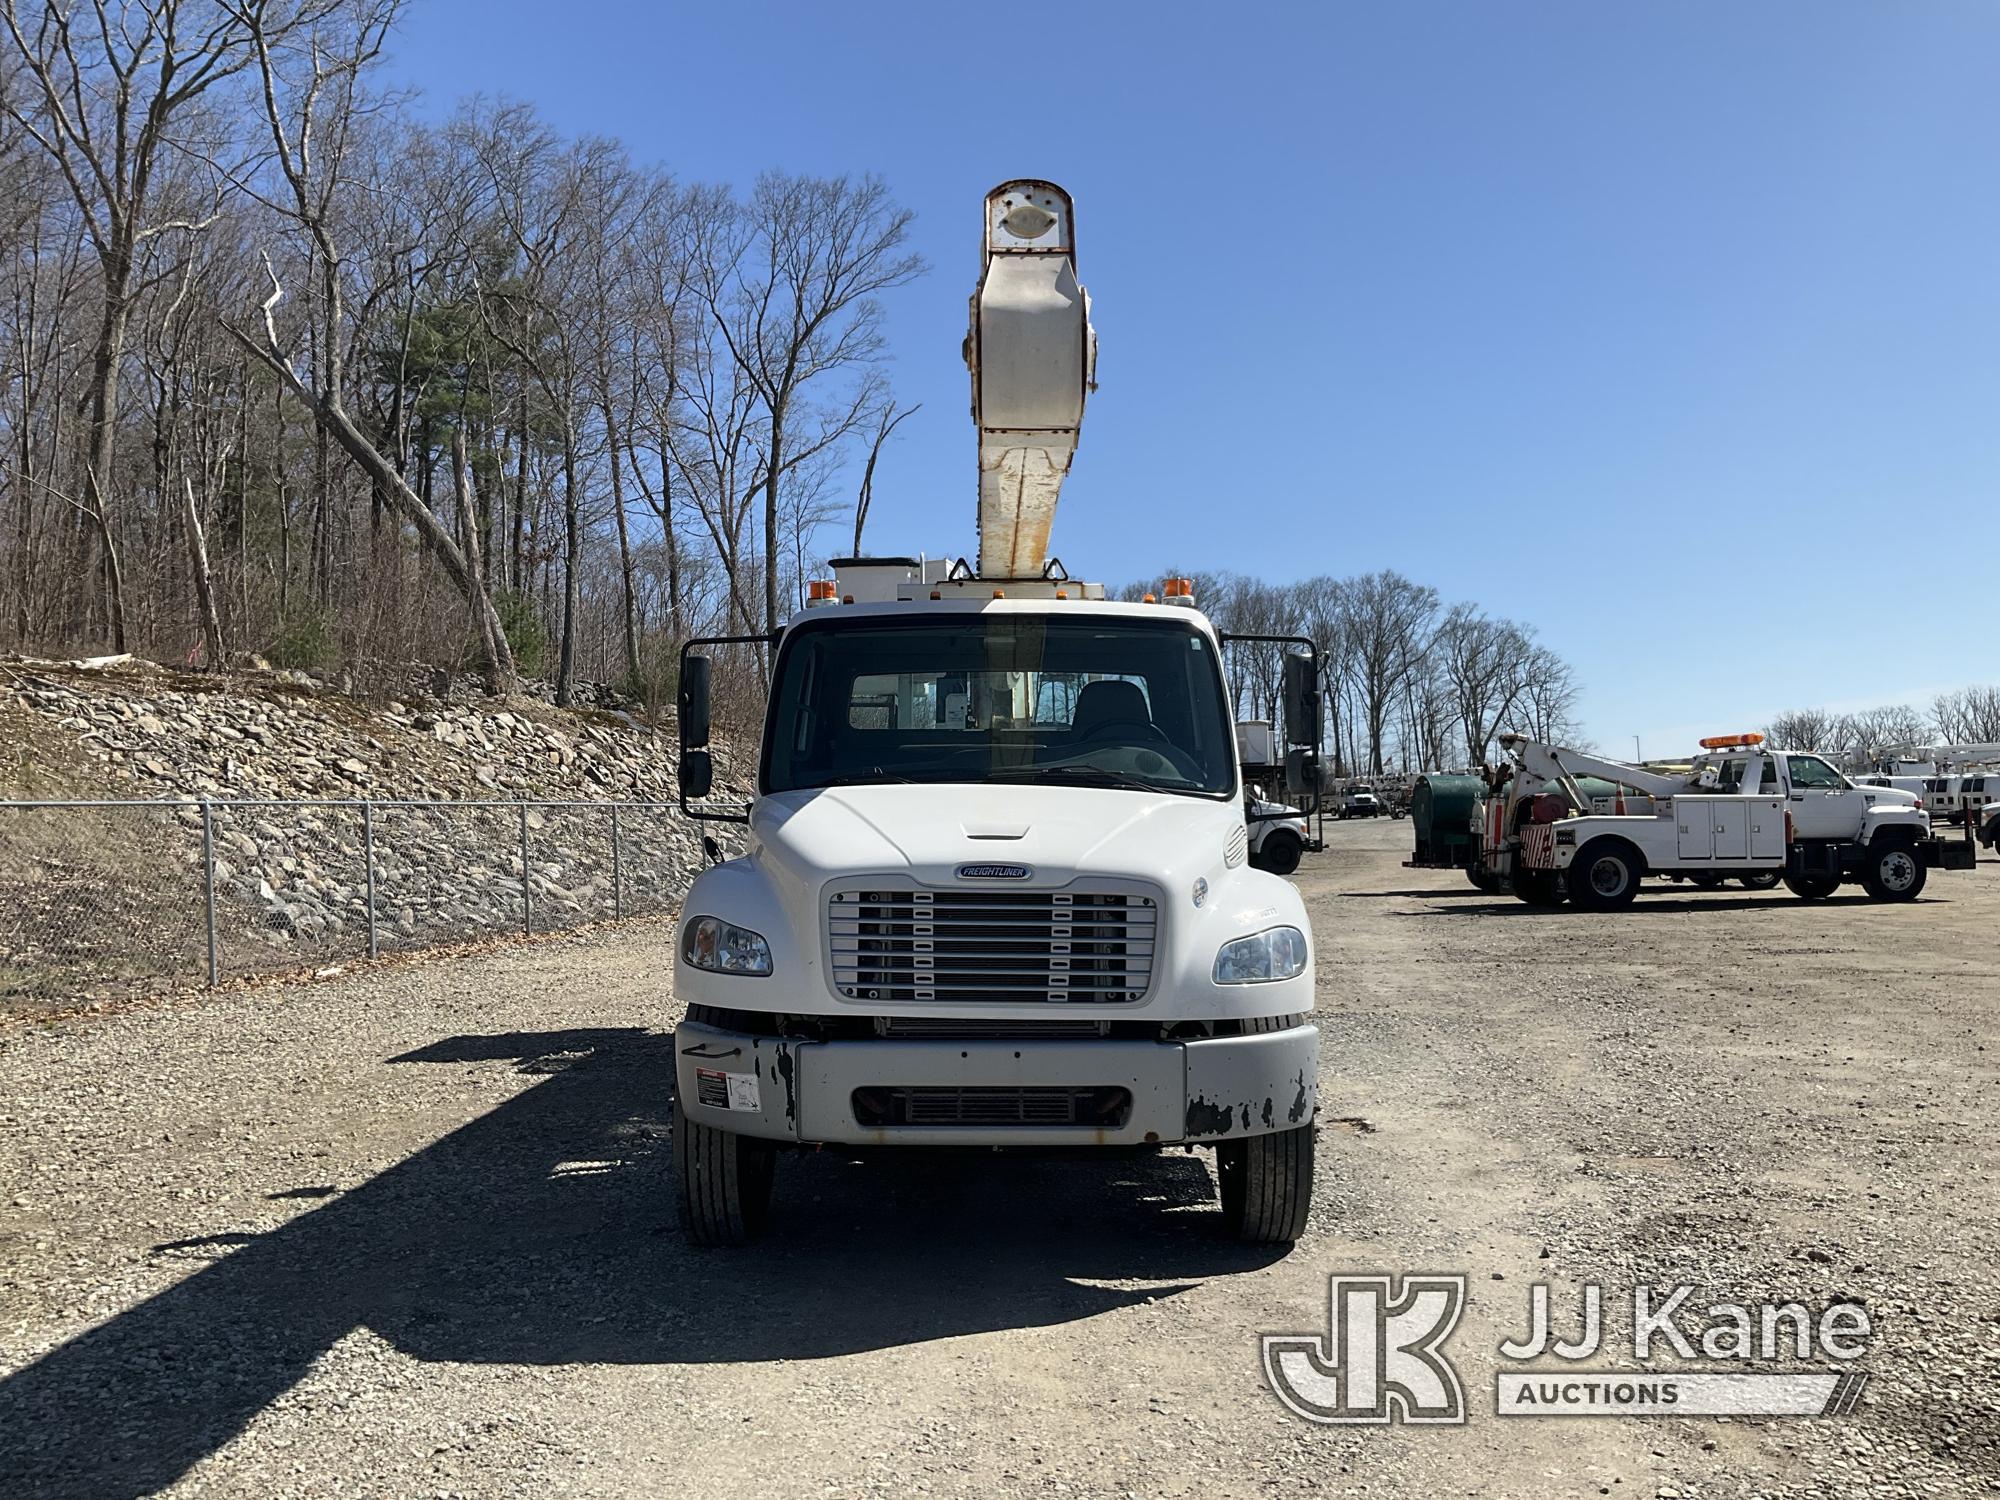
{"points": [[693, 712], [697, 774], [1301, 700], [1300, 782]]}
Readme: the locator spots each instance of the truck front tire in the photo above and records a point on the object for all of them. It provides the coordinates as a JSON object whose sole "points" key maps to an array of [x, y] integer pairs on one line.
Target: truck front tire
{"points": [[1266, 1185], [725, 1182], [1892, 872]]}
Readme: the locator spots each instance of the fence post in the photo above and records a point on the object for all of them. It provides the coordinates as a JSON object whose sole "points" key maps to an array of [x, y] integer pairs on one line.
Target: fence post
{"points": [[368, 857], [617, 870], [527, 895], [208, 890]]}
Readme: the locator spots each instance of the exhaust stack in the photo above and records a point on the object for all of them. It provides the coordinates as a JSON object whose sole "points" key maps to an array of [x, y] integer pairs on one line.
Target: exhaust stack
{"points": [[1033, 357]]}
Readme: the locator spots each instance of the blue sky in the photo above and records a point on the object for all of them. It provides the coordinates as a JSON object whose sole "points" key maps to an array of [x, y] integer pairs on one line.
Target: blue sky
{"points": [[1670, 328]]}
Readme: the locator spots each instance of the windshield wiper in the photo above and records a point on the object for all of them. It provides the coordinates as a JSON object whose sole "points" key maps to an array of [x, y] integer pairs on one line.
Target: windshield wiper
{"points": [[1092, 775], [864, 777]]}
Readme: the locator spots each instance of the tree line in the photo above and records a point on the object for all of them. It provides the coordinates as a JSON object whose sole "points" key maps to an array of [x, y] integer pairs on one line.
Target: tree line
{"points": [[286, 369], [1965, 716], [1409, 683]]}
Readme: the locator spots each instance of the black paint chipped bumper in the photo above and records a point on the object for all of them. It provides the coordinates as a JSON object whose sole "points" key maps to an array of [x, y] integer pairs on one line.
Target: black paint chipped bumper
{"points": [[1221, 1088]]}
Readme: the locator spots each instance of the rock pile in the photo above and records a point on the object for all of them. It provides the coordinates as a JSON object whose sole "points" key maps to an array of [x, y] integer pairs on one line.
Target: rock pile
{"points": [[95, 892]]}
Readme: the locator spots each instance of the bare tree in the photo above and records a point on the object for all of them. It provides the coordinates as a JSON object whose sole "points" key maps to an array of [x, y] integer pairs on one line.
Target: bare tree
{"points": [[310, 119], [558, 214], [1874, 731], [1969, 716], [1388, 619], [793, 291], [662, 293], [1484, 664], [888, 418], [1808, 729], [108, 93], [1547, 704]]}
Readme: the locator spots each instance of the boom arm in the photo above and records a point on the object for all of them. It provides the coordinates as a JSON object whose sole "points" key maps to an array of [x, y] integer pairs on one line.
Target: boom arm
{"points": [[1554, 763], [1954, 755], [1033, 356]]}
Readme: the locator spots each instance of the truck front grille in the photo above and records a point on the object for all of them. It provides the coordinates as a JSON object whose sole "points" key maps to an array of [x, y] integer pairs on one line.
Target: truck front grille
{"points": [[991, 946], [877, 1108]]}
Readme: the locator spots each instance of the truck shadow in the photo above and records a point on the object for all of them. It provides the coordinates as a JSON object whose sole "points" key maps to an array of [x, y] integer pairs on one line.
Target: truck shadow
{"points": [[1649, 905], [543, 1233], [1434, 893]]}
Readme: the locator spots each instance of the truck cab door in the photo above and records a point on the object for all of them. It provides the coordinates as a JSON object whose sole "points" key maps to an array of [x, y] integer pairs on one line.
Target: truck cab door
{"points": [[1823, 803]]}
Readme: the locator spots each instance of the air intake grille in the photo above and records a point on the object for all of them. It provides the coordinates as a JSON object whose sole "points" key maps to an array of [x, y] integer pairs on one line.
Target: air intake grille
{"points": [[1107, 1106], [950, 1029], [991, 946]]}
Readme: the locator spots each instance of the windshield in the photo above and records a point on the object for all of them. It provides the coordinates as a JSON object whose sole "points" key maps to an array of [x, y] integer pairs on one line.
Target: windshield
{"points": [[1000, 697]]}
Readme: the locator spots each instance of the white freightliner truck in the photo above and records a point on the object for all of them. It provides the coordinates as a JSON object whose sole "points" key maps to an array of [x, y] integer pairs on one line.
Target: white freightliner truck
{"points": [[995, 889], [1742, 811]]}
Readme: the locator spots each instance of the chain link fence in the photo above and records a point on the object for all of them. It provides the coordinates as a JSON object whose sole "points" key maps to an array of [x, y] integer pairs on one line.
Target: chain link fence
{"points": [[102, 899]]}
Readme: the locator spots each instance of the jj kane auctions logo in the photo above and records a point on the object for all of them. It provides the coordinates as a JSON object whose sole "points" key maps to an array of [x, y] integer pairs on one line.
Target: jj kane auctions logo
{"points": [[1382, 1356]]}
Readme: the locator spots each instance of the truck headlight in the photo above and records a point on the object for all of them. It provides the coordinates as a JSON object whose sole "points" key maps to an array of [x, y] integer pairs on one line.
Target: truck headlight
{"points": [[1275, 953], [724, 948]]}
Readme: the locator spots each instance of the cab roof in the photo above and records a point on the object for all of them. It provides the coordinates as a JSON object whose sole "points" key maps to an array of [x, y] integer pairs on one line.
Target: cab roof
{"points": [[930, 609]]}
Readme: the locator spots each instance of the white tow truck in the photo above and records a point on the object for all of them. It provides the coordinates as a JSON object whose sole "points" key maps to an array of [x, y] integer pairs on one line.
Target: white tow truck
{"points": [[1742, 811], [996, 887]]}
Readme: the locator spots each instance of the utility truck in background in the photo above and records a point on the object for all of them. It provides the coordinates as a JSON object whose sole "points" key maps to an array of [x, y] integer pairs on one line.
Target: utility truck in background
{"points": [[996, 886], [1280, 834], [1957, 782], [1742, 811]]}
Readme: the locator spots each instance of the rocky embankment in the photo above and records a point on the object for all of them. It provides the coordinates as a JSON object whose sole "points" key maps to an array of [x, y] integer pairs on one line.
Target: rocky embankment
{"points": [[97, 900]]}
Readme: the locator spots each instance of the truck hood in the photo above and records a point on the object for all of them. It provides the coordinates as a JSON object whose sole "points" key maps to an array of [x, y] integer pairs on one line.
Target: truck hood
{"points": [[1886, 795], [928, 832]]}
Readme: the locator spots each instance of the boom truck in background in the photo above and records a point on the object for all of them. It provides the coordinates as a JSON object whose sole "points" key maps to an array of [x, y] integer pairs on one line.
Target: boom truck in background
{"points": [[1742, 811], [1957, 782], [996, 889]]}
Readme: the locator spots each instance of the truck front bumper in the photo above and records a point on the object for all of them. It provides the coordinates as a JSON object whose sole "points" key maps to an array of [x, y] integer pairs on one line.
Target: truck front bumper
{"points": [[1951, 854], [1846, 859], [1095, 1092]]}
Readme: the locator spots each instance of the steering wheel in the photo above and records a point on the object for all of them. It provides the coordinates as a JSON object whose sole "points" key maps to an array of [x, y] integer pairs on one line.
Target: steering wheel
{"points": [[1145, 728]]}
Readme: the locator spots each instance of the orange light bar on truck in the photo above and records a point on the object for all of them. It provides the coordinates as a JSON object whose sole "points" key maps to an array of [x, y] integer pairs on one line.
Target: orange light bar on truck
{"points": [[819, 591], [1731, 741]]}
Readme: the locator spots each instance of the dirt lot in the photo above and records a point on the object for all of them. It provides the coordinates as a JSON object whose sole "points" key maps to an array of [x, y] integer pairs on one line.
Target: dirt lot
{"points": [[407, 1232]]}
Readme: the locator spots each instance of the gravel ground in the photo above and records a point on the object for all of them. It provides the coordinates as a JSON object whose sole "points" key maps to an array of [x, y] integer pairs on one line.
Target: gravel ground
{"points": [[407, 1231]]}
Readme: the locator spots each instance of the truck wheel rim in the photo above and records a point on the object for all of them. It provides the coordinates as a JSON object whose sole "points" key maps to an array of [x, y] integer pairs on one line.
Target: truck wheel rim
{"points": [[1607, 876], [1898, 871]]}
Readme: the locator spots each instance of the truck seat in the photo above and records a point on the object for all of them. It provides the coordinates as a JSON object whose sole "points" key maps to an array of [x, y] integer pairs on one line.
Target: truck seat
{"points": [[1103, 707]]}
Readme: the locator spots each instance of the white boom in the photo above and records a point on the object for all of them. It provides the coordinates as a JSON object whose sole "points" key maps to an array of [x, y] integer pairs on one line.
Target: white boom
{"points": [[1033, 357], [1557, 763], [1941, 755]]}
